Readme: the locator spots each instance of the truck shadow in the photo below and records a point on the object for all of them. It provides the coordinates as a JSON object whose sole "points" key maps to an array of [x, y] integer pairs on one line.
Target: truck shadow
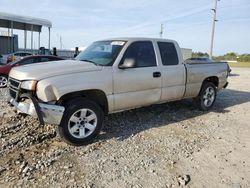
{"points": [[123, 125]]}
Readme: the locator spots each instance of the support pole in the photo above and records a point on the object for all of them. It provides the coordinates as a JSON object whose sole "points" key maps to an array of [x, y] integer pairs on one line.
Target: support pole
{"points": [[12, 38], [31, 46], [49, 40], [39, 40], [8, 47], [25, 40], [213, 29]]}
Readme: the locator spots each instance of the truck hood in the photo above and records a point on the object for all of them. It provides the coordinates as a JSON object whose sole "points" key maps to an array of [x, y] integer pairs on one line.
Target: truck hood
{"points": [[43, 70]]}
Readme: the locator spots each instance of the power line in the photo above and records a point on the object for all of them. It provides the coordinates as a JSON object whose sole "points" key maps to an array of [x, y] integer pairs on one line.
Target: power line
{"points": [[191, 12]]}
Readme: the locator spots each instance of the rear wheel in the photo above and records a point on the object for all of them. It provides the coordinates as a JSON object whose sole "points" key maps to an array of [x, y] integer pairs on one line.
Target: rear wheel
{"points": [[207, 96], [82, 121], [3, 81]]}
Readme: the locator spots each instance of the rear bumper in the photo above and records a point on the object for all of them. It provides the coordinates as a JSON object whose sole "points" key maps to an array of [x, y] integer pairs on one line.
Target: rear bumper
{"points": [[46, 113]]}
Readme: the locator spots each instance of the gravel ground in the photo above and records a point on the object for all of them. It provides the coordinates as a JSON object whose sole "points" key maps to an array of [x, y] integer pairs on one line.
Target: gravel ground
{"points": [[168, 145]]}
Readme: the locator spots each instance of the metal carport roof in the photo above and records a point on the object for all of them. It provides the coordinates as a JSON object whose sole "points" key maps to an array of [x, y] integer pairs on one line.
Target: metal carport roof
{"points": [[26, 23], [23, 22]]}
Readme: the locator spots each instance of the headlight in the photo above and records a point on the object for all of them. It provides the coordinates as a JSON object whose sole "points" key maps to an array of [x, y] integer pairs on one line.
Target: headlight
{"points": [[29, 85]]}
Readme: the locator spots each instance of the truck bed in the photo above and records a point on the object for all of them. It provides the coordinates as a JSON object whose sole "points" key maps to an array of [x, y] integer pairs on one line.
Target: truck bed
{"points": [[198, 72]]}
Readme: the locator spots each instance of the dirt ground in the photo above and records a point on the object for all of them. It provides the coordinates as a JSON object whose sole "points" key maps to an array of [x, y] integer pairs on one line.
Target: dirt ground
{"points": [[168, 145]]}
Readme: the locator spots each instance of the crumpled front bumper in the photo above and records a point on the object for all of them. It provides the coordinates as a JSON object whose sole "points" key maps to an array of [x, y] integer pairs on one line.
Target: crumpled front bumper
{"points": [[46, 113]]}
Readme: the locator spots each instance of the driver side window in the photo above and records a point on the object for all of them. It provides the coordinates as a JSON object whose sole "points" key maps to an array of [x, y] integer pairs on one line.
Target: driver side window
{"points": [[142, 52]]}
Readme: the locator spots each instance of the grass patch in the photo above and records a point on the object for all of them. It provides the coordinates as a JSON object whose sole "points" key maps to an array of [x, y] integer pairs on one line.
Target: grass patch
{"points": [[240, 64]]}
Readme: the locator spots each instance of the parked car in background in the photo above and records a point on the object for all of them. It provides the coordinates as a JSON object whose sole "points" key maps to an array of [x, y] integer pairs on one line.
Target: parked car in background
{"points": [[198, 60], [44, 51], [5, 68], [16, 56], [1, 60]]}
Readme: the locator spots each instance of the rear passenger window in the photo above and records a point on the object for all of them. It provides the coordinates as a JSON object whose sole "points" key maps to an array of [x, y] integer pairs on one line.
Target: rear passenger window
{"points": [[45, 59], [168, 53], [27, 61], [142, 52]]}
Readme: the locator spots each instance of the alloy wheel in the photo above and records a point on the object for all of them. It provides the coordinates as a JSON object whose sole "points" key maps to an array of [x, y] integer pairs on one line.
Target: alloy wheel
{"points": [[82, 123], [209, 96]]}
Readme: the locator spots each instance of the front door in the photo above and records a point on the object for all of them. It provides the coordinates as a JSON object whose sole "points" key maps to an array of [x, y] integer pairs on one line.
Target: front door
{"points": [[140, 85]]}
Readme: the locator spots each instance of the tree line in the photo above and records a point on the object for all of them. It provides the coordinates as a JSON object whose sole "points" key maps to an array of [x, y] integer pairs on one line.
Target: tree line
{"points": [[232, 56]]}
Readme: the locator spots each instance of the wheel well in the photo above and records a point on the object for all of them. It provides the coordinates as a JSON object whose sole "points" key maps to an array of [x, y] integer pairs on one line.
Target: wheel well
{"points": [[97, 96], [4, 75], [213, 79]]}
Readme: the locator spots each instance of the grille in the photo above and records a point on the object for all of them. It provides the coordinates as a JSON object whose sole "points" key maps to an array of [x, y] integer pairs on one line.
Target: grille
{"points": [[14, 87]]}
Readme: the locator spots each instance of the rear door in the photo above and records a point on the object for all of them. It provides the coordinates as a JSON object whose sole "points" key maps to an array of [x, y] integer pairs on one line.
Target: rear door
{"points": [[173, 72], [141, 85]]}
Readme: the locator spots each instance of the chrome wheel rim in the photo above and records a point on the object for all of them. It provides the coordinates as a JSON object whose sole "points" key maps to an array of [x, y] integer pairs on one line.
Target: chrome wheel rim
{"points": [[209, 96], [82, 123], [3, 81]]}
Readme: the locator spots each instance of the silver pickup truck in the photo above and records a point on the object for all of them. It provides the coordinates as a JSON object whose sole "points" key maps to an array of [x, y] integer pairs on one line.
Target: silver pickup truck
{"points": [[111, 76]]}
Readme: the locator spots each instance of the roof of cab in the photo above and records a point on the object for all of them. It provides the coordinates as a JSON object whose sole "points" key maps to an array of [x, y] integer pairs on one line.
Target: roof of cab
{"points": [[132, 39]]}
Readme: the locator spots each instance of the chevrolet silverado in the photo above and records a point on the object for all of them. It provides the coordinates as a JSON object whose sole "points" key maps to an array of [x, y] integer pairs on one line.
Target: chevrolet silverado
{"points": [[111, 76]]}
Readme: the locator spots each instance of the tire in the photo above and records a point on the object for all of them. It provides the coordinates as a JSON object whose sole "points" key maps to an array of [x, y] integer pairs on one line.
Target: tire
{"points": [[3, 81], [207, 96], [81, 123]]}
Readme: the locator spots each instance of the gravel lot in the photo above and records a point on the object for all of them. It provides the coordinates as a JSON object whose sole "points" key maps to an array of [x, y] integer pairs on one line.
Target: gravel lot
{"points": [[168, 145]]}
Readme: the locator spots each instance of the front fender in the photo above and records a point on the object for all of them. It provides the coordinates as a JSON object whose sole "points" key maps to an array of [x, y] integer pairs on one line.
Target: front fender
{"points": [[53, 88]]}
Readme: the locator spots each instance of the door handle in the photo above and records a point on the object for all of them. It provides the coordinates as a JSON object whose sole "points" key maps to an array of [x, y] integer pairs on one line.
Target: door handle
{"points": [[156, 74]]}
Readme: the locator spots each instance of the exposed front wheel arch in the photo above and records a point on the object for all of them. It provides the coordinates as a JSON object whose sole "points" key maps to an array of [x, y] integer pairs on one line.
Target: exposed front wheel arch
{"points": [[95, 95]]}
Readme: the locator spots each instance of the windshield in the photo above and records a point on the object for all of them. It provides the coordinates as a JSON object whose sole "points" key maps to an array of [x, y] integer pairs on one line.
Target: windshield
{"points": [[101, 52]]}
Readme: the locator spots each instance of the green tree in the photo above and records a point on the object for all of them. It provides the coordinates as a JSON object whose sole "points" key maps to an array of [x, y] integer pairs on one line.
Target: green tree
{"points": [[230, 56], [199, 54]]}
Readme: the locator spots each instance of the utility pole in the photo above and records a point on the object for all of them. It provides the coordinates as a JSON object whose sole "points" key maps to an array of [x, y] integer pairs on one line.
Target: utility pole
{"points": [[213, 28], [61, 42], [161, 31]]}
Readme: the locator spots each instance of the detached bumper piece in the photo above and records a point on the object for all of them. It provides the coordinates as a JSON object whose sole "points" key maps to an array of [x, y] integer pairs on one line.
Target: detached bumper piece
{"points": [[46, 113], [225, 85]]}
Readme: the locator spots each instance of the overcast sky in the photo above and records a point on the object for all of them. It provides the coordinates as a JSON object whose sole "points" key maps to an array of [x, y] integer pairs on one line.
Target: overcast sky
{"points": [[189, 22]]}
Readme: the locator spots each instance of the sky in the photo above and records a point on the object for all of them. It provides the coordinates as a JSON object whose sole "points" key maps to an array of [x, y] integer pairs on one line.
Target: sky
{"points": [[189, 22]]}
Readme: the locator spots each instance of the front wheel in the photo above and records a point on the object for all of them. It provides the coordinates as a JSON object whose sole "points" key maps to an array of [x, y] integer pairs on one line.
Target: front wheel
{"points": [[3, 81], [206, 97], [82, 121]]}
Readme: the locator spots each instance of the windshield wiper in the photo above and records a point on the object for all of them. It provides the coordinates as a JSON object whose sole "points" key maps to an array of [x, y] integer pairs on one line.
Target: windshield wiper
{"points": [[90, 62]]}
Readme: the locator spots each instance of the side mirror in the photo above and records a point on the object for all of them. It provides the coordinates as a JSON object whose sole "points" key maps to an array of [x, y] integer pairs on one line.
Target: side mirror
{"points": [[127, 63]]}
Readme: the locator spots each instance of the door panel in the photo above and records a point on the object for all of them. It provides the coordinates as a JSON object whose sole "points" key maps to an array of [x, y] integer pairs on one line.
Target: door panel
{"points": [[173, 82], [136, 87], [139, 85]]}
